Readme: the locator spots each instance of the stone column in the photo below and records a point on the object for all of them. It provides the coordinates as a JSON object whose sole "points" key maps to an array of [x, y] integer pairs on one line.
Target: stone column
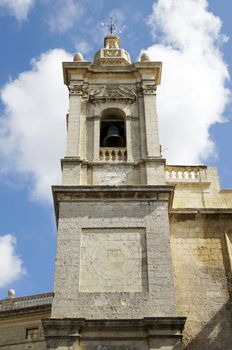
{"points": [[129, 139], [76, 93], [96, 137], [142, 124], [73, 132], [150, 117]]}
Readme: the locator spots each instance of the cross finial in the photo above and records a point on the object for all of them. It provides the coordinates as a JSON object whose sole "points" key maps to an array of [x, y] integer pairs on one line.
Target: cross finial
{"points": [[111, 25]]}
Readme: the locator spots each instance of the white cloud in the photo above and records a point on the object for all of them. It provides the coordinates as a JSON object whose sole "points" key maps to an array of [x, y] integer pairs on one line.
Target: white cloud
{"points": [[11, 266], [192, 95], [32, 130], [17, 8], [191, 98], [83, 46], [64, 14]]}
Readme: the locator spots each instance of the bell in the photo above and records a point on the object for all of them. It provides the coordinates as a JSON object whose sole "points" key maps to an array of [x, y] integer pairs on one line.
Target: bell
{"points": [[113, 138]]}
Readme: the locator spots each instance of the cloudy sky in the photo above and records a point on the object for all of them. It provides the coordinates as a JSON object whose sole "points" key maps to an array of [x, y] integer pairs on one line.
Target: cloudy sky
{"points": [[191, 37]]}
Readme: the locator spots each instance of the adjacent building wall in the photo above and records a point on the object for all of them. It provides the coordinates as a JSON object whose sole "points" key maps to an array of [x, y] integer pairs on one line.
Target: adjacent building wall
{"points": [[22, 330], [202, 275]]}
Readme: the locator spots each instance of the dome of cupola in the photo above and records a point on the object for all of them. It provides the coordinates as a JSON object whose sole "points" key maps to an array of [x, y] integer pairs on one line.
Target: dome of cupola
{"points": [[112, 54]]}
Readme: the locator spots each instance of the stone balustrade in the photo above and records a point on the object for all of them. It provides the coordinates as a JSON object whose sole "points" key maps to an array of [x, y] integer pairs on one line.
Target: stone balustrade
{"points": [[185, 173], [113, 154], [25, 302]]}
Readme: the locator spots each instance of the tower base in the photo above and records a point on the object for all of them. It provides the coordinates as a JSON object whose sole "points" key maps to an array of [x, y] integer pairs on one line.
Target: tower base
{"points": [[129, 334]]}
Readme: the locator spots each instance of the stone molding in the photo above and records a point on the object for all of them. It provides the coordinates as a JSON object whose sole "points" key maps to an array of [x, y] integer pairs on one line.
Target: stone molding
{"points": [[135, 68], [31, 310], [65, 193], [202, 211], [65, 332], [132, 193], [112, 92], [79, 90], [149, 88]]}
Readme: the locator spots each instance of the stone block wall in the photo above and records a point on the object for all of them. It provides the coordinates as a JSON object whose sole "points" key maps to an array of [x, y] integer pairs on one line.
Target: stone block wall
{"points": [[203, 280], [22, 333], [113, 259]]}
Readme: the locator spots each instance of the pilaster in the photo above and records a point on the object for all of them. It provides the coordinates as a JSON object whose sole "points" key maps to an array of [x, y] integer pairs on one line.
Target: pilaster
{"points": [[150, 116], [96, 137], [129, 139], [73, 132]]}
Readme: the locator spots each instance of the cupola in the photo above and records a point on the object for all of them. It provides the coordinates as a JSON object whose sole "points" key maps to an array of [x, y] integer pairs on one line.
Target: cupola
{"points": [[112, 54]]}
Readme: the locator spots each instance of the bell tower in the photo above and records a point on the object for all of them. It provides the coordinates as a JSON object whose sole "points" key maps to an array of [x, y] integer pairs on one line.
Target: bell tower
{"points": [[112, 127], [114, 275]]}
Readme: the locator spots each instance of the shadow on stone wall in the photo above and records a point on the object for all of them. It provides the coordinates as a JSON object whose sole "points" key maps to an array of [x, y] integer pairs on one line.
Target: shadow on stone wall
{"points": [[215, 335]]}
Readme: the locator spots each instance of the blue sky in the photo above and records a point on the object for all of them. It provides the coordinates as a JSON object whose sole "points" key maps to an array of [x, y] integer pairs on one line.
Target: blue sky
{"points": [[191, 37]]}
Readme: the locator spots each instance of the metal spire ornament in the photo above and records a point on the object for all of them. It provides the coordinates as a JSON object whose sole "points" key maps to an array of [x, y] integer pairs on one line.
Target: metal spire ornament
{"points": [[111, 26]]}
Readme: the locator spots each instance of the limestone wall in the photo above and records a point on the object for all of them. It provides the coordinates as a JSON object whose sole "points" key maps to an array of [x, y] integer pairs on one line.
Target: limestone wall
{"points": [[22, 332], [197, 187], [113, 259], [203, 282]]}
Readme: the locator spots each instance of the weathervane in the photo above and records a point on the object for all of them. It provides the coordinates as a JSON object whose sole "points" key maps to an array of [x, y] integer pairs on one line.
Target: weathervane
{"points": [[111, 26]]}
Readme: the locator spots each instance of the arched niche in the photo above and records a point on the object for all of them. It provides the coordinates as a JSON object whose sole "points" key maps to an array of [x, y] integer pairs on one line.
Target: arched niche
{"points": [[113, 128]]}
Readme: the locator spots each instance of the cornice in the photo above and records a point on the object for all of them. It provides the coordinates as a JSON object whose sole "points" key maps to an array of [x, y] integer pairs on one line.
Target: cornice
{"points": [[110, 193]]}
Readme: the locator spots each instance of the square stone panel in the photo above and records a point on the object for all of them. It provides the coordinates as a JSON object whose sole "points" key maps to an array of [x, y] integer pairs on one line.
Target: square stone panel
{"points": [[113, 260]]}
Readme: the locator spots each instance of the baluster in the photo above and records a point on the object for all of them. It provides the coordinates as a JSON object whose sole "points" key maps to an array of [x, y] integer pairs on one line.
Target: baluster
{"points": [[113, 155], [186, 175], [120, 155], [192, 175], [107, 156], [173, 174], [125, 155], [101, 156]]}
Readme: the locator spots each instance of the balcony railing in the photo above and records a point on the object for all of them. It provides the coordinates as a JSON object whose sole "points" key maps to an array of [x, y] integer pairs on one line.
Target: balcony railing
{"points": [[185, 173], [27, 301], [113, 154]]}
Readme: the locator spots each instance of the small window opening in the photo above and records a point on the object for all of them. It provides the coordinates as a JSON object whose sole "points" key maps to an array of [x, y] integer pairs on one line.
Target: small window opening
{"points": [[32, 333]]}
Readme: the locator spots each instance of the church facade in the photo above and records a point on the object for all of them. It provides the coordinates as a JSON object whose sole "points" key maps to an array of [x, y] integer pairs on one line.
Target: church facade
{"points": [[144, 249]]}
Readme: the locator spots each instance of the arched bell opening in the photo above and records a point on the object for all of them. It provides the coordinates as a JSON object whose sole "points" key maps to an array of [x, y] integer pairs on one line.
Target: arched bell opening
{"points": [[112, 129], [113, 135]]}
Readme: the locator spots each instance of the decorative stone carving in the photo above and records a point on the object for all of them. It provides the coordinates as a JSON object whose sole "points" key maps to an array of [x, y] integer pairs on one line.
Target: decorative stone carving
{"points": [[112, 92], [146, 88], [78, 57], [113, 176], [149, 88], [112, 260], [80, 90], [145, 57], [112, 53]]}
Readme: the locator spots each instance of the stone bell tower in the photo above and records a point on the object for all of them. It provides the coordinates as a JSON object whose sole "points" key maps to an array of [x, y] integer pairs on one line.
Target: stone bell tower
{"points": [[114, 275]]}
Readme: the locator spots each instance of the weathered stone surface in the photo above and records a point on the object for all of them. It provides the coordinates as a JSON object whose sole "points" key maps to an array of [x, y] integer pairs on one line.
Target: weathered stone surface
{"points": [[113, 260], [203, 279], [148, 333], [14, 328], [138, 230]]}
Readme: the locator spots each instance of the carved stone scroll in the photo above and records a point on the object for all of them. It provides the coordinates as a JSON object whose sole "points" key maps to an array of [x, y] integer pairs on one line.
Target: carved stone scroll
{"points": [[79, 90], [112, 92]]}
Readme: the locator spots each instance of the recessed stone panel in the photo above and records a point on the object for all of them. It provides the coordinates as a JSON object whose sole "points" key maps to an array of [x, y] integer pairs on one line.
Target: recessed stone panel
{"points": [[113, 260]]}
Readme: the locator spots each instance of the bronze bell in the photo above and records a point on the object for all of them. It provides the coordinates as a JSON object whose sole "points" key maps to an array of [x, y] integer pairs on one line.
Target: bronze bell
{"points": [[113, 138]]}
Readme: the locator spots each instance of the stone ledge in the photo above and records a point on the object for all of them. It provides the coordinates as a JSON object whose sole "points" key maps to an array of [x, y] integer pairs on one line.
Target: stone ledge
{"points": [[108, 330], [26, 311], [201, 211], [65, 193]]}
